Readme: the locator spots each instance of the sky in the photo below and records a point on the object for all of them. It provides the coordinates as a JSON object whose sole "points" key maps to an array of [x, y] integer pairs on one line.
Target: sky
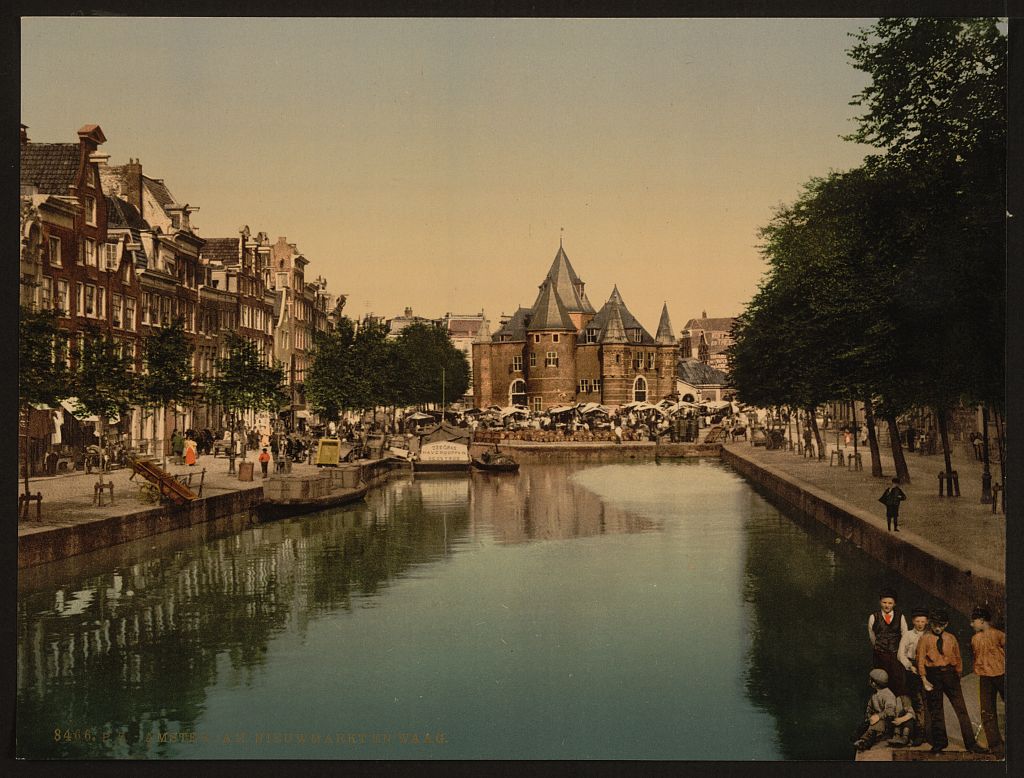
{"points": [[436, 163]]}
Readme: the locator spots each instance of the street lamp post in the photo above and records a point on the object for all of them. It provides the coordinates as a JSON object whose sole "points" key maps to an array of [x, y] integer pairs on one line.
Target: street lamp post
{"points": [[986, 475]]}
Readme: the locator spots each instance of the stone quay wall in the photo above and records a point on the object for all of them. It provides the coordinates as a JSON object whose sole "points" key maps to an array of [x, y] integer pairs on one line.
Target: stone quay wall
{"points": [[934, 569], [60, 542]]}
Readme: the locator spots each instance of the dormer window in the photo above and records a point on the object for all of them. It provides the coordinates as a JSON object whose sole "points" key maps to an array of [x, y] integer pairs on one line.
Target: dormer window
{"points": [[590, 336], [636, 336]]}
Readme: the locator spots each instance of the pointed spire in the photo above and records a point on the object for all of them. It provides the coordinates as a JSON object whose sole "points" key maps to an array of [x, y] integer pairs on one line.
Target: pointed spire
{"points": [[615, 296], [483, 333], [614, 330], [549, 312], [665, 335], [567, 283]]}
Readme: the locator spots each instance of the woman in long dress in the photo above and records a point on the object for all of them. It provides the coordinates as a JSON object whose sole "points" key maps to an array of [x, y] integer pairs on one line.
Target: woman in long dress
{"points": [[190, 452]]}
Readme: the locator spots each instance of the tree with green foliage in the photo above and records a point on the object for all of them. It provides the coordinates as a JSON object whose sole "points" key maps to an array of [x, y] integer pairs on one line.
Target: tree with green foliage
{"points": [[426, 356], [936, 105], [245, 382], [103, 380], [43, 374], [167, 379]]}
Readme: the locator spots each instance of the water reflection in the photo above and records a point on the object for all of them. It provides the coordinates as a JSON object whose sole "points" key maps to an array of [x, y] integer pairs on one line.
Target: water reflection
{"points": [[809, 600], [567, 612], [127, 655], [545, 503]]}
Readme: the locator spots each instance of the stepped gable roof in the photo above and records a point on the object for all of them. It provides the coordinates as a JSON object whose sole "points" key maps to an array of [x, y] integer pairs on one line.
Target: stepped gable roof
{"points": [[123, 215], [664, 334], [50, 167], [223, 250], [515, 328], [723, 324], [549, 312], [696, 373], [629, 322], [565, 281]]}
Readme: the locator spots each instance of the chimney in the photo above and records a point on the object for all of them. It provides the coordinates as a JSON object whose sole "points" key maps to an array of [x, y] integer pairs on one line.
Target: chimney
{"points": [[703, 314], [132, 183], [408, 313], [24, 134]]}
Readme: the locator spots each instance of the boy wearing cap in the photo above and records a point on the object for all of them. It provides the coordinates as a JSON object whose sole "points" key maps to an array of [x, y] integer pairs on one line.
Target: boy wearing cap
{"points": [[880, 712], [939, 664], [989, 647], [891, 498], [886, 627], [907, 654]]}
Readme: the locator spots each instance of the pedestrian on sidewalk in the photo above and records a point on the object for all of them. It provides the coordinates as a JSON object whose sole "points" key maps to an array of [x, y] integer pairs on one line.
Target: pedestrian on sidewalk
{"points": [[907, 654], [939, 664], [989, 647], [891, 498], [264, 461], [190, 451], [886, 628]]}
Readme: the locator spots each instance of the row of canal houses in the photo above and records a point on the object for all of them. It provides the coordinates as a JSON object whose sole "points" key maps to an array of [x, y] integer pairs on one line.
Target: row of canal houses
{"points": [[111, 247]]}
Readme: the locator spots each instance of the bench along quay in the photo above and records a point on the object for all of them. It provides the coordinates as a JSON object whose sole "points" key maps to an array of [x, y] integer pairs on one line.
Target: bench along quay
{"points": [[611, 589]]}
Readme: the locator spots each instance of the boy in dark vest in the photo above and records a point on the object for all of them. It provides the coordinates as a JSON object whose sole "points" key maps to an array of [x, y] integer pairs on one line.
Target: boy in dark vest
{"points": [[886, 628]]}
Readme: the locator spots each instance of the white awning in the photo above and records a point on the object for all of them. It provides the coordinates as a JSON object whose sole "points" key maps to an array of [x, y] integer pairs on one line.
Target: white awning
{"points": [[71, 406]]}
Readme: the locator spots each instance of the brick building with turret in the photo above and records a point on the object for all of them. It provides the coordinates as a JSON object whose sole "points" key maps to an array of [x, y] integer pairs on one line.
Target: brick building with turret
{"points": [[561, 351]]}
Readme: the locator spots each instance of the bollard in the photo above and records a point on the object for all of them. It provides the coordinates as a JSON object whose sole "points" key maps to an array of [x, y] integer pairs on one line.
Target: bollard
{"points": [[996, 489], [854, 461]]}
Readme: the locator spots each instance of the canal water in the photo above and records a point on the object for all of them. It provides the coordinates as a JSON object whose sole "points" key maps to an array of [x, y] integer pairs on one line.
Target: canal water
{"points": [[636, 611]]}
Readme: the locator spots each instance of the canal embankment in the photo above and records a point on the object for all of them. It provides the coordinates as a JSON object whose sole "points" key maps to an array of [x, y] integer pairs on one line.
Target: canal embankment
{"points": [[952, 547], [596, 451], [75, 520]]}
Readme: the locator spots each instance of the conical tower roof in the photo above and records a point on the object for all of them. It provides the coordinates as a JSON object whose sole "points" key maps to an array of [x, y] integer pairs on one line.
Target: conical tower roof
{"points": [[568, 283], [634, 331], [665, 335], [483, 333], [614, 331], [548, 312]]}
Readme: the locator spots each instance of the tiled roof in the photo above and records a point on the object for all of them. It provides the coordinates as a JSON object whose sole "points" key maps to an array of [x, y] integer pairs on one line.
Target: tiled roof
{"points": [[159, 191], [463, 327], [613, 330], [123, 215], [629, 322], [549, 312], [718, 325], [696, 373], [223, 250], [565, 280], [50, 167], [514, 328]]}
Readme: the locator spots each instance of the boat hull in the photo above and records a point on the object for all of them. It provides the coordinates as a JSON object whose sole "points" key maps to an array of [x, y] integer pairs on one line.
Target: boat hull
{"points": [[496, 467]]}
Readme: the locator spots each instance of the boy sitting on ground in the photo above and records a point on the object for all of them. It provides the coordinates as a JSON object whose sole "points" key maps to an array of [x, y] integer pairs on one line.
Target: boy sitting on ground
{"points": [[880, 712]]}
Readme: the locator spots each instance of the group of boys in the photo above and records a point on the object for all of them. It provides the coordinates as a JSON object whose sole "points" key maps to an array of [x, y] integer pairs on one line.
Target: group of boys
{"points": [[914, 668]]}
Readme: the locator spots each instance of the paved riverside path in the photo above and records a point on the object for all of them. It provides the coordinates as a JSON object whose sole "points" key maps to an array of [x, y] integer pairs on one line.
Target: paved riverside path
{"points": [[962, 526], [68, 498]]}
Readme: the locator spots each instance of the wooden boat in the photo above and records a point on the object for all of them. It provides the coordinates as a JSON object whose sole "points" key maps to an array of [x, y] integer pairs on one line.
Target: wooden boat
{"points": [[277, 508], [501, 466]]}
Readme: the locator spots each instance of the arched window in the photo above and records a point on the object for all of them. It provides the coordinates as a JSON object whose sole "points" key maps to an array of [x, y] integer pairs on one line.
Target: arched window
{"points": [[688, 398], [640, 389], [517, 392]]}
